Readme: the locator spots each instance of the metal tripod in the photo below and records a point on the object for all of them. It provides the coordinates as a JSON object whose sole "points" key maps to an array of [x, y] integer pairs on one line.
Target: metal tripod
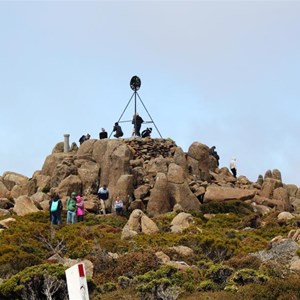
{"points": [[134, 96]]}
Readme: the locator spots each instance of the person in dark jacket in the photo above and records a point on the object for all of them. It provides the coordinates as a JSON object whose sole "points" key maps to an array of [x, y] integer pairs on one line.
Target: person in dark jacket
{"points": [[102, 134], [55, 208], [117, 128], [213, 152], [84, 138], [103, 195], [137, 122], [146, 132]]}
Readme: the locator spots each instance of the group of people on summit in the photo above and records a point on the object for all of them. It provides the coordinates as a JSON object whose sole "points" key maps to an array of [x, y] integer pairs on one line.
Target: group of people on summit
{"points": [[137, 121], [75, 206]]}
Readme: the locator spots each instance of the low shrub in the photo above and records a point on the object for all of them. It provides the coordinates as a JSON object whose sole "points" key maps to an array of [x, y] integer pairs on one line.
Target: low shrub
{"points": [[219, 274], [207, 285], [274, 269], [232, 206], [124, 282], [213, 247], [241, 261], [37, 282], [133, 264], [276, 288], [246, 276], [108, 287]]}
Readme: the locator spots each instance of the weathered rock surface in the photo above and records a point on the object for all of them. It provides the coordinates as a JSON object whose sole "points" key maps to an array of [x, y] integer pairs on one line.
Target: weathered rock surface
{"points": [[24, 205], [7, 222], [153, 175], [217, 193], [138, 223], [159, 201], [181, 222], [283, 252]]}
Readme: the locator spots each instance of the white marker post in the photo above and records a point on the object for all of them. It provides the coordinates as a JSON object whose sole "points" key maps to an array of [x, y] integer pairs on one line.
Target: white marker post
{"points": [[76, 282]]}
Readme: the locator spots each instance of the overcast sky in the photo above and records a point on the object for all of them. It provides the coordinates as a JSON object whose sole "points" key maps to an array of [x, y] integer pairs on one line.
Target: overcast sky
{"points": [[223, 73]]}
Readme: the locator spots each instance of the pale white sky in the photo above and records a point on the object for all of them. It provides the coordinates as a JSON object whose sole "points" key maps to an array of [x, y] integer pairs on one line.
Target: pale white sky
{"points": [[223, 73]]}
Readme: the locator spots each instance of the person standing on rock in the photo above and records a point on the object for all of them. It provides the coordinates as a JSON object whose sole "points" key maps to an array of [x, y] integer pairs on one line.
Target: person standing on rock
{"points": [[102, 134], [213, 152], [137, 122], [233, 166], [103, 195], [71, 208], [80, 208], [55, 207]]}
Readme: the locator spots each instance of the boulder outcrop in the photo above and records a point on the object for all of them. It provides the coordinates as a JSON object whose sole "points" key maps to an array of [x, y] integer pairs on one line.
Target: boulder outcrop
{"points": [[138, 223], [154, 175]]}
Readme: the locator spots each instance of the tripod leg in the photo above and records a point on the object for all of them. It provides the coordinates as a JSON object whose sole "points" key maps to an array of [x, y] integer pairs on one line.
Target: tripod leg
{"points": [[148, 114], [123, 112]]}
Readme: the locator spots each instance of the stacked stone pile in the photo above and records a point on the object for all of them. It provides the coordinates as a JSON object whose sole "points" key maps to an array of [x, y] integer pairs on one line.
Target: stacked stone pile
{"points": [[148, 148]]}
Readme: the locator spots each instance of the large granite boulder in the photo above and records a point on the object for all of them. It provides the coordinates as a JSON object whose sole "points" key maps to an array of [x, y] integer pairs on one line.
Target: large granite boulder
{"points": [[51, 162], [292, 189], [181, 222], [283, 251], [179, 190], [27, 188], [3, 189], [218, 193], [113, 157], [10, 179], [138, 223], [268, 187], [63, 170], [157, 165], [43, 182], [39, 197], [180, 159], [198, 160], [282, 195], [123, 188], [159, 201], [24, 205], [7, 222], [70, 184], [88, 174]]}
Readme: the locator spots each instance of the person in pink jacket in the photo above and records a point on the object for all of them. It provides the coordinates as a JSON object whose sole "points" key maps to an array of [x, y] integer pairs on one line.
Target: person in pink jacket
{"points": [[80, 208]]}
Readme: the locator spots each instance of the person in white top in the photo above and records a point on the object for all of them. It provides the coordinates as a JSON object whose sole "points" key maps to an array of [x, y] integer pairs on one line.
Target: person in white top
{"points": [[233, 166]]}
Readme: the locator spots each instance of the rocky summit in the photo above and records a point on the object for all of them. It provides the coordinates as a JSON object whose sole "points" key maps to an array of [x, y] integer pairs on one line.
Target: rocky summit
{"points": [[153, 175], [189, 229]]}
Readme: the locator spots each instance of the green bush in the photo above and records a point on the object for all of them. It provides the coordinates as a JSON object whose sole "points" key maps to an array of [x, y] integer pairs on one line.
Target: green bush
{"points": [[246, 276], [108, 287], [213, 247], [244, 261], [219, 274], [124, 282], [207, 285], [133, 264], [222, 221], [274, 269], [33, 282], [283, 289], [232, 206]]}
